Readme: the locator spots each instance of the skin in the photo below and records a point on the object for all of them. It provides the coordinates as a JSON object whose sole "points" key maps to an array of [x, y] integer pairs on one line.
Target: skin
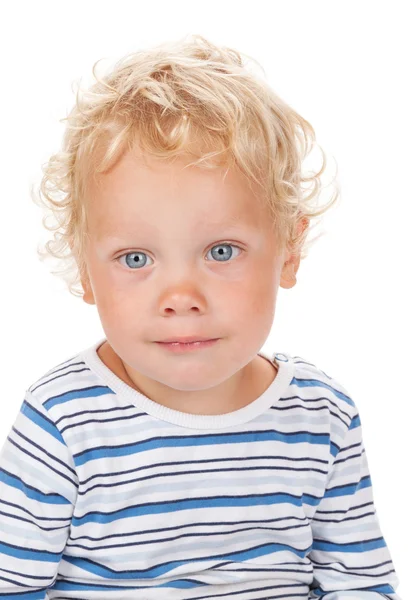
{"points": [[174, 222]]}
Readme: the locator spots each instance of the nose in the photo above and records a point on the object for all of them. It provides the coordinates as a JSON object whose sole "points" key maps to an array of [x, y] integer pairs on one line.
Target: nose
{"points": [[182, 300]]}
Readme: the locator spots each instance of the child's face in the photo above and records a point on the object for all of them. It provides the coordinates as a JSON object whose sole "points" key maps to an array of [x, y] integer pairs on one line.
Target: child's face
{"points": [[174, 227]]}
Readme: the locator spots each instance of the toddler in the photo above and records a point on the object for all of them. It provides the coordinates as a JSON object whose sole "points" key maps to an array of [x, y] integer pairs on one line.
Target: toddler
{"points": [[173, 459]]}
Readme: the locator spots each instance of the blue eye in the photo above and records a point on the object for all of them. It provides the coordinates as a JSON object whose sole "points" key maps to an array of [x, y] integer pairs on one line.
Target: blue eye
{"points": [[224, 255], [137, 260]]}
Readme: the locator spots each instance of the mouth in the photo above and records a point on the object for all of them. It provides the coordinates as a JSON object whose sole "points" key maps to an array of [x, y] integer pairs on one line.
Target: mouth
{"points": [[181, 346], [185, 340]]}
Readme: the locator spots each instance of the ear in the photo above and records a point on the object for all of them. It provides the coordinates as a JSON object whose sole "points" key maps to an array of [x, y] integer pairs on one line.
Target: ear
{"points": [[292, 262], [289, 272], [88, 295]]}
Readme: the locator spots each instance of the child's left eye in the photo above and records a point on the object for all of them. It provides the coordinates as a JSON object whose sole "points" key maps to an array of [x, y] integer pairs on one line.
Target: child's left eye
{"points": [[224, 255]]}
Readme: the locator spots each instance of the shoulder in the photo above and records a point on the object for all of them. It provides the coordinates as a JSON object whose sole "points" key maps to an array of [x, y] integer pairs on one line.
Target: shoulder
{"points": [[63, 386], [325, 400]]}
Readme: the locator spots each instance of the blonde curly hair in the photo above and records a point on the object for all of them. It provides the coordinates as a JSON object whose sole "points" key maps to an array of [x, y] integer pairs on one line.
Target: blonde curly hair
{"points": [[163, 98]]}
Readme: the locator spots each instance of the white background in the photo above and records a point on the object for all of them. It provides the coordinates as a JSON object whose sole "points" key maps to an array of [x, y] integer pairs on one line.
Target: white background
{"points": [[349, 68]]}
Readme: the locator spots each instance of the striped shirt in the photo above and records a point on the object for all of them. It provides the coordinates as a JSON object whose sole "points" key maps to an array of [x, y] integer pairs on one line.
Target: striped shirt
{"points": [[105, 494]]}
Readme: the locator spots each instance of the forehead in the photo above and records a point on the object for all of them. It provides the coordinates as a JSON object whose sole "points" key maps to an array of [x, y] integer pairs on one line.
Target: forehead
{"points": [[140, 190]]}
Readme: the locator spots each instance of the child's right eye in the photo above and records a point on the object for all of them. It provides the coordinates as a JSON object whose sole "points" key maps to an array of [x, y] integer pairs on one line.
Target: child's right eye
{"points": [[134, 259]]}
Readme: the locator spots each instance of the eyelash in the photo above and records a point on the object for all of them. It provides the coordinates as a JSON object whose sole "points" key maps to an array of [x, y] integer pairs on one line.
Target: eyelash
{"points": [[144, 253]]}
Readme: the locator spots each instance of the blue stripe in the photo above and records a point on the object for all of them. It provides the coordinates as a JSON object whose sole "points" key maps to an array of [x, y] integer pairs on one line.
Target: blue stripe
{"points": [[317, 383], [29, 491], [41, 421], [30, 554], [89, 392], [362, 592], [362, 546], [349, 488], [200, 440], [24, 596]]}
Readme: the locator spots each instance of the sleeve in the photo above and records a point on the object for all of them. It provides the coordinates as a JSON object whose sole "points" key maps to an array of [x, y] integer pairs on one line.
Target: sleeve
{"points": [[350, 558], [38, 490]]}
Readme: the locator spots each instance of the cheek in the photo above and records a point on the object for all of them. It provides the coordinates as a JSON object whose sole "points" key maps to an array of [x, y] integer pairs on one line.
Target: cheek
{"points": [[110, 289], [257, 296], [263, 305], [113, 303]]}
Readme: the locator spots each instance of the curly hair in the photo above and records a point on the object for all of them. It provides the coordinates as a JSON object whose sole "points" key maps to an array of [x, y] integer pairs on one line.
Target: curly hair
{"points": [[163, 98]]}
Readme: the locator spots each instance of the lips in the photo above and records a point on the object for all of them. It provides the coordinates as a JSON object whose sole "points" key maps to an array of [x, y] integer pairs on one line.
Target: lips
{"points": [[185, 340], [187, 347]]}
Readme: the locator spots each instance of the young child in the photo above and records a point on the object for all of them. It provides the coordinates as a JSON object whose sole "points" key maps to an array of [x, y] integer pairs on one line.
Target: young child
{"points": [[173, 459]]}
